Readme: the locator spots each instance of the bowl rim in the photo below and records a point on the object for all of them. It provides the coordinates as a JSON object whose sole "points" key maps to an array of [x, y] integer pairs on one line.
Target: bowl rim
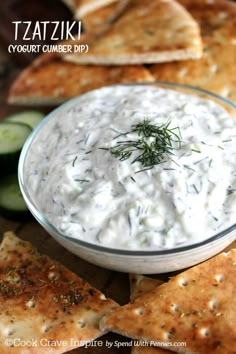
{"points": [[96, 247]]}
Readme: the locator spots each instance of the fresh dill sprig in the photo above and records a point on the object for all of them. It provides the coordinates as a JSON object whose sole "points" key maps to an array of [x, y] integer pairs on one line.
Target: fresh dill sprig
{"points": [[154, 143]]}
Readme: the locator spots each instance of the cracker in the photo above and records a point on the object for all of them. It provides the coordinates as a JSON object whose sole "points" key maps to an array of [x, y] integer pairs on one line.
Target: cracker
{"points": [[148, 32], [216, 70], [40, 299], [197, 306], [55, 81]]}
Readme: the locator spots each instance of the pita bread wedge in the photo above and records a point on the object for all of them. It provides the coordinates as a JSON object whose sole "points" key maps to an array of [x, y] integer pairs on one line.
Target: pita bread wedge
{"points": [[42, 303], [100, 20], [149, 350], [140, 285], [148, 32], [84, 7], [197, 306], [55, 81], [216, 70]]}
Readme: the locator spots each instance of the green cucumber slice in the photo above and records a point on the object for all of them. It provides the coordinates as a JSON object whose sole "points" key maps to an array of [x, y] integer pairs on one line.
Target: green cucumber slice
{"points": [[12, 139], [31, 118], [12, 204]]}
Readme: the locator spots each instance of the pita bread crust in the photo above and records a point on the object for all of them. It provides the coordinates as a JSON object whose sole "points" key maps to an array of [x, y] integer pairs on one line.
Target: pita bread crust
{"points": [[70, 4], [197, 306], [148, 32], [216, 70], [56, 81], [41, 299], [85, 7], [100, 20]]}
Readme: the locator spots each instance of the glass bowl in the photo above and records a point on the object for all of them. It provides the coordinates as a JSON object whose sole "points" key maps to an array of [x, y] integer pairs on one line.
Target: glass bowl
{"points": [[132, 261]]}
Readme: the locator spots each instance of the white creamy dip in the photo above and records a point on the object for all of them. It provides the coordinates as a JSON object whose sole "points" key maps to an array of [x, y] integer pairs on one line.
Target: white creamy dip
{"points": [[89, 194]]}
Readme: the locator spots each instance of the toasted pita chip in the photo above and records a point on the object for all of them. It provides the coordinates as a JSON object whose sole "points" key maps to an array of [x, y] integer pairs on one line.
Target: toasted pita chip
{"points": [[54, 82], [140, 285], [149, 350], [148, 32], [100, 20], [41, 300], [216, 70], [197, 306]]}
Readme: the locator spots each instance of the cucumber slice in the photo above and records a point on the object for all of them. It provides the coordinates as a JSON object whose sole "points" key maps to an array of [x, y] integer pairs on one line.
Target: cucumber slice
{"points": [[12, 204], [12, 138], [31, 118]]}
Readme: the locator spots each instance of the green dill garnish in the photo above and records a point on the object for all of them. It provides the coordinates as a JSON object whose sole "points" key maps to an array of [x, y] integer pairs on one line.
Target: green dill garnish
{"points": [[205, 158], [153, 145], [73, 163], [226, 141], [81, 180], [195, 150], [230, 190], [195, 188], [189, 168]]}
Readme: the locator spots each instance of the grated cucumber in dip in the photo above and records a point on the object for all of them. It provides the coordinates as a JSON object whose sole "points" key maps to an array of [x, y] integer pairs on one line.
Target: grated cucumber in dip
{"points": [[78, 178]]}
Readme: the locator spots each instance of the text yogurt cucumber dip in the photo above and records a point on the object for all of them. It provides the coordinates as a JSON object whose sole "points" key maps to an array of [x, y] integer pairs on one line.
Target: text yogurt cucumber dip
{"points": [[99, 176]]}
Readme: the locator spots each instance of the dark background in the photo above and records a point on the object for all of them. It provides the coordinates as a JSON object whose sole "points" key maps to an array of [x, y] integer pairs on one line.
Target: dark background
{"points": [[28, 10]]}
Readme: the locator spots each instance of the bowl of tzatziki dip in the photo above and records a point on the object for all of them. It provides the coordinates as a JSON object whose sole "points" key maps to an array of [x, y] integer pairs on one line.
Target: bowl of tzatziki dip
{"points": [[137, 178]]}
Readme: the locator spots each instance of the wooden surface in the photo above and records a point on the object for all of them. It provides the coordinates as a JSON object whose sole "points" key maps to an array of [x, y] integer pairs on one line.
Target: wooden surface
{"points": [[113, 284]]}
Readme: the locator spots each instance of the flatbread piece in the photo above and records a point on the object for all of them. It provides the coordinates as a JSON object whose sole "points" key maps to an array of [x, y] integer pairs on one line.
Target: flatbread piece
{"points": [[140, 285], [84, 7], [99, 21], [43, 302], [148, 32], [197, 306], [55, 81], [216, 70]]}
